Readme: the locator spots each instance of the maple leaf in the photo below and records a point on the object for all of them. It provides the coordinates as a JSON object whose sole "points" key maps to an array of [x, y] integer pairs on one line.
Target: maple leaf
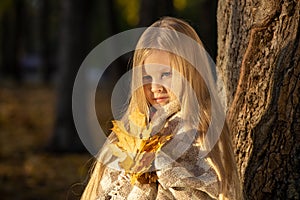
{"points": [[137, 122], [135, 154], [126, 141]]}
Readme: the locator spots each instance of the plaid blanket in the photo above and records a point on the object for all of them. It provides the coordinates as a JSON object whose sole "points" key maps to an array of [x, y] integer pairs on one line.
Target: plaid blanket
{"points": [[181, 172]]}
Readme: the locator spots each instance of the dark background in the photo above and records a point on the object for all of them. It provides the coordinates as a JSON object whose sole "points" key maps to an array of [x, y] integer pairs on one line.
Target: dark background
{"points": [[42, 45]]}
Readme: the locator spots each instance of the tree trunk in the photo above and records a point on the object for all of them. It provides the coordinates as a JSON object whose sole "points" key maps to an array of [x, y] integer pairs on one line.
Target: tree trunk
{"points": [[47, 48], [258, 61], [72, 51], [13, 24], [8, 44]]}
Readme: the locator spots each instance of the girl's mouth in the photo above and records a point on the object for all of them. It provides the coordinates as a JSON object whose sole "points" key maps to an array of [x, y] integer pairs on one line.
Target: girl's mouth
{"points": [[161, 99]]}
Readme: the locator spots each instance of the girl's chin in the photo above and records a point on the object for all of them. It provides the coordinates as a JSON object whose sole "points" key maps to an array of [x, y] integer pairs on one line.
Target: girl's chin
{"points": [[159, 104]]}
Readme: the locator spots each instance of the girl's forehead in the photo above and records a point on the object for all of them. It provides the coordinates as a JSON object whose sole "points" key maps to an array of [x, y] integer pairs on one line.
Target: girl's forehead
{"points": [[158, 57], [152, 68]]}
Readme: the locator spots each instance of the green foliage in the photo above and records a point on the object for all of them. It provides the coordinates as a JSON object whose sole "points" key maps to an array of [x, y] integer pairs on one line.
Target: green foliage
{"points": [[129, 10], [180, 4]]}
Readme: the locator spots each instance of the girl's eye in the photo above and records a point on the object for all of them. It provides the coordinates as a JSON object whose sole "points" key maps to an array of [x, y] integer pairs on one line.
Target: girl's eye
{"points": [[166, 74], [147, 79]]}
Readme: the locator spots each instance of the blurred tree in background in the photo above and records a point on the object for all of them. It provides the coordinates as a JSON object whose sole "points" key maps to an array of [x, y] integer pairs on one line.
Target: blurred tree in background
{"points": [[73, 47]]}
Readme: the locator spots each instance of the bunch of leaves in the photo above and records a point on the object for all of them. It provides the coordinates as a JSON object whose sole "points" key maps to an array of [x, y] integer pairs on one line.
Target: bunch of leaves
{"points": [[136, 149]]}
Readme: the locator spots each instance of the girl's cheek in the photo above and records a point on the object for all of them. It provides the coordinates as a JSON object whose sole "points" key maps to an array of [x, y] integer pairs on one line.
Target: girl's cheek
{"points": [[147, 91], [171, 95], [168, 84]]}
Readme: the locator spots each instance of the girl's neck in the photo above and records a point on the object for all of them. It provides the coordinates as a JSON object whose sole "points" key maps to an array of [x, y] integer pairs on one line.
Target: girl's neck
{"points": [[152, 111]]}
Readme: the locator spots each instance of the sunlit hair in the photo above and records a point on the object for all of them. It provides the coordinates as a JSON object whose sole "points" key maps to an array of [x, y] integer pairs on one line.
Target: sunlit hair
{"points": [[193, 84], [221, 156]]}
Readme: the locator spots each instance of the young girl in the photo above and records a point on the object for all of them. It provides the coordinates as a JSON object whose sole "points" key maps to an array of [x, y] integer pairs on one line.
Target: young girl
{"points": [[171, 142]]}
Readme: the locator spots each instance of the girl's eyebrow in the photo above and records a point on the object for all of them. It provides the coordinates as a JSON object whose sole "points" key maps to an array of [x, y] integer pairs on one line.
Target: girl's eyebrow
{"points": [[165, 68], [144, 73]]}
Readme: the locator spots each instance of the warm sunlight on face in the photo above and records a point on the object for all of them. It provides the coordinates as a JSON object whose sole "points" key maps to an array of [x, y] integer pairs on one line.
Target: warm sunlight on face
{"points": [[157, 78]]}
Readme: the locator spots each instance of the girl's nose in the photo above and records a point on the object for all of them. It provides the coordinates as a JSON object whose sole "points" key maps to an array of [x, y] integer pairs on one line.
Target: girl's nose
{"points": [[156, 87]]}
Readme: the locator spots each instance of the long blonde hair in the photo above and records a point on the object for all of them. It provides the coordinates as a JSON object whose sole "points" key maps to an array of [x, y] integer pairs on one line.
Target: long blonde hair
{"points": [[183, 57], [221, 155]]}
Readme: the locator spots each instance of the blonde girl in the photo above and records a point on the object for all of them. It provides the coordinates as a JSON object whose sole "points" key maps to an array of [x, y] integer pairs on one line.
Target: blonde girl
{"points": [[173, 141]]}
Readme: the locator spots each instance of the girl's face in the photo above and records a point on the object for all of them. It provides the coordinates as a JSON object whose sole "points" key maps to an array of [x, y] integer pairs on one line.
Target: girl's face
{"points": [[157, 78]]}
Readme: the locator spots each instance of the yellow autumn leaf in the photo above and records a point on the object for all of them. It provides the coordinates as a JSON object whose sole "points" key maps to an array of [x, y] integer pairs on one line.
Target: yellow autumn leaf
{"points": [[126, 160], [136, 154], [137, 118], [126, 141], [133, 178], [155, 143], [116, 151], [127, 163], [146, 133], [137, 122]]}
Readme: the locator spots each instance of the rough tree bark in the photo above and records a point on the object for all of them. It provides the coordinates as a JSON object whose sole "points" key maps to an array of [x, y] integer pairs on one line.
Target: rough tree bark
{"points": [[258, 61]]}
